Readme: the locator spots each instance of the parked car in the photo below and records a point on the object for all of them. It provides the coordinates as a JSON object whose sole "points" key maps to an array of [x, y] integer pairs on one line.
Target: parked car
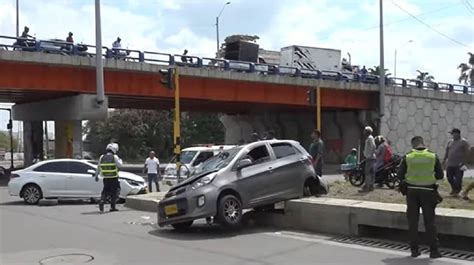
{"points": [[255, 175], [191, 158], [67, 178]]}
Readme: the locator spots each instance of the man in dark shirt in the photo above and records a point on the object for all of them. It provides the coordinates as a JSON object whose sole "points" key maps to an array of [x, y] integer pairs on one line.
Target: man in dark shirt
{"points": [[316, 151]]}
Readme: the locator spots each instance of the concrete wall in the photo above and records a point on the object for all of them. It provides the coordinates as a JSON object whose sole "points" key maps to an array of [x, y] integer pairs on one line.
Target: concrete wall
{"points": [[341, 130], [431, 114]]}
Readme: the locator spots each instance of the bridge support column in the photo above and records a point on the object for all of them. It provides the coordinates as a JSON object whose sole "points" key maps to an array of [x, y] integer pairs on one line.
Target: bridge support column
{"points": [[68, 139], [33, 141]]}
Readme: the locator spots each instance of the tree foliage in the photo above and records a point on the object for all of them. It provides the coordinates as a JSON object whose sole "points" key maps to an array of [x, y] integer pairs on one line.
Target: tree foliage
{"points": [[376, 71], [424, 76], [5, 141], [139, 131], [467, 71]]}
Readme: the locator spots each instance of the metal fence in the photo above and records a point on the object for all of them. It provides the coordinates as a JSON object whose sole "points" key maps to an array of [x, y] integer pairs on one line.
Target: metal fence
{"points": [[167, 59]]}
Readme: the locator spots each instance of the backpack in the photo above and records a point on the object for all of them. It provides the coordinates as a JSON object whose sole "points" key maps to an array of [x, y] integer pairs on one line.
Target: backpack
{"points": [[388, 154]]}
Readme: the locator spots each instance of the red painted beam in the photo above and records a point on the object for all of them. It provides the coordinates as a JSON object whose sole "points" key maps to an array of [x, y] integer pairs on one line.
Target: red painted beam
{"points": [[18, 77]]}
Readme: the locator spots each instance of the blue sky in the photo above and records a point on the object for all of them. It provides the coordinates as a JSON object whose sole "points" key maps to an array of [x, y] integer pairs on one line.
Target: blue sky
{"points": [[348, 25]]}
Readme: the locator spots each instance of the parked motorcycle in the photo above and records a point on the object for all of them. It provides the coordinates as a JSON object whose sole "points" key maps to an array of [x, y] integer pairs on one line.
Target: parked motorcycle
{"points": [[387, 175]]}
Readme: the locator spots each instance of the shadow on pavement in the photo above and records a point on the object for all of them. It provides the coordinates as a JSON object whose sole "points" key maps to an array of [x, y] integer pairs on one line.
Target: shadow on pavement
{"points": [[15, 203], [407, 260], [202, 231]]}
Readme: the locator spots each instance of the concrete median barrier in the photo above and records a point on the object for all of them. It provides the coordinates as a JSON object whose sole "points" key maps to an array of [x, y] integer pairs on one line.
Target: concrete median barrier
{"points": [[338, 216]]}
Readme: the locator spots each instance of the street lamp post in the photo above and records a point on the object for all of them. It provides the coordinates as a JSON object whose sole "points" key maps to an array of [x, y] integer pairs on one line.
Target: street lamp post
{"points": [[395, 58], [217, 27], [10, 128], [382, 70], [17, 18]]}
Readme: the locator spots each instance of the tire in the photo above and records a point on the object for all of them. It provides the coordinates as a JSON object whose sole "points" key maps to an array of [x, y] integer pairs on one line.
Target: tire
{"points": [[357, 178], [31, 194], [393, 181], [229, 211], [182, 226]]}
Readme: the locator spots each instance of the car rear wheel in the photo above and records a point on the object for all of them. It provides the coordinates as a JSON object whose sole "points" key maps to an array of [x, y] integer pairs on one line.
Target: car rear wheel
{"points": [[230, 211], [182, 226], [31, 194]]}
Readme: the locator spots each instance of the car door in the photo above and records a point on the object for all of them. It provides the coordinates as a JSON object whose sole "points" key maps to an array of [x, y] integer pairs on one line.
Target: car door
{"points": [[51, 177], [254, 181], [288, 167], [80, 183]]}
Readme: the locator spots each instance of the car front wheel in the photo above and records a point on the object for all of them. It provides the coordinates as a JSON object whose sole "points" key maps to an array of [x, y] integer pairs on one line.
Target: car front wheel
{"points": [[31, 194], [230, 211]]}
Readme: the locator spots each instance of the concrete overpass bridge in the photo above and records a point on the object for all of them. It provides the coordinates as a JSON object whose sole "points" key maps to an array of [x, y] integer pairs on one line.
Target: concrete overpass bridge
{"points": [[61, 87]]}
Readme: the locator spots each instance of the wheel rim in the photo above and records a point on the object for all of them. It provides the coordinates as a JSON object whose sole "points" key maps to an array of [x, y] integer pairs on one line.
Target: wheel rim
{"points": [[31, 194], [232, 210]]}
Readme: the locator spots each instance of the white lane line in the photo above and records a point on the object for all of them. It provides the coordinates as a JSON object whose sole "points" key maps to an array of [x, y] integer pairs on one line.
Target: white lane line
{"points": [[325, 240]]}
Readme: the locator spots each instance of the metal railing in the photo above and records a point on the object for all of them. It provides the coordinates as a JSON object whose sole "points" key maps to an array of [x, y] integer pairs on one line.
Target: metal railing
{"points": [[167, 59]]}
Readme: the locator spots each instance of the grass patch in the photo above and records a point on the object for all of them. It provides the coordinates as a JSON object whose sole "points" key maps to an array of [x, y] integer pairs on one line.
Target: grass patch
{"points": [[344, 190]]}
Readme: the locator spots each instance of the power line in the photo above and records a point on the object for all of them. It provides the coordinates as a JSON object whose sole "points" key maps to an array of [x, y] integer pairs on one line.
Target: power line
{"points": [[468, 6], [428, 26]]}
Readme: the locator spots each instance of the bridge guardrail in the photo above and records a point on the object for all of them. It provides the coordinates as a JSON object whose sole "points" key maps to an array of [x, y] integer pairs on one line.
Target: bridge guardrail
{"points": [[167, 59]]}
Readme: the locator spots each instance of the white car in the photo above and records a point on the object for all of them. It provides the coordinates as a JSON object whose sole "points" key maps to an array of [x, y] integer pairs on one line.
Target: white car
{"points": [[191, 158], [67, 178]]}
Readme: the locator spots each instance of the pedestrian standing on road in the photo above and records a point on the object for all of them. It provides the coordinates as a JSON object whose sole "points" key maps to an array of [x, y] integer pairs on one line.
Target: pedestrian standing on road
{"points": [[369, 154], [109, 164], [419, 171], [316, 151], [152, 166], [455, 160]]}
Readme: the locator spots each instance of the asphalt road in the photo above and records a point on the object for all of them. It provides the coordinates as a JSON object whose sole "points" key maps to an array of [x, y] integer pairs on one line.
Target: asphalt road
{"points": [[74, 232]]}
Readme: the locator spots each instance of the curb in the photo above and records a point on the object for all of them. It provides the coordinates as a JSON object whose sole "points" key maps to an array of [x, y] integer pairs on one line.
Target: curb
{"points": [[142, 203]]}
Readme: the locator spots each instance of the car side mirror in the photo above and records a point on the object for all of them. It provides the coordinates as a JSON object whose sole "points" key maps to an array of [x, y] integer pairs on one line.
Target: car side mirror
{"points": [[92, 172], [244, 163]]}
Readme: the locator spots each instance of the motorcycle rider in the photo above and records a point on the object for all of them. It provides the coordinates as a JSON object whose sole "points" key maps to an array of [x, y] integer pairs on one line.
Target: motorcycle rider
{"points": [[109, 164]]}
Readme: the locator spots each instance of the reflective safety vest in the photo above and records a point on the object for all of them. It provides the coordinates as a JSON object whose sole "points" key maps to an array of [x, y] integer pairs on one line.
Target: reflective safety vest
{"points": [[420, 167], [108, 167]]}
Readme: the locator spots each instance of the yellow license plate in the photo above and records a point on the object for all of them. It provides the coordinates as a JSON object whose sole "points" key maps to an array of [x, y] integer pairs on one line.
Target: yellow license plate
{"points": [[171, 209]]}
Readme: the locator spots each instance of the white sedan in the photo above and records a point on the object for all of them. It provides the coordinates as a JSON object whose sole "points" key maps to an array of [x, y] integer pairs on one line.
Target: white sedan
{"points": [[67, 178]]}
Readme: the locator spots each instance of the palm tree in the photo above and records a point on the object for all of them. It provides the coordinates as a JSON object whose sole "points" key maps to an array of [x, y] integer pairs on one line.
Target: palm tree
{"points": [[424, 76], [376, 71], [467, 72]]}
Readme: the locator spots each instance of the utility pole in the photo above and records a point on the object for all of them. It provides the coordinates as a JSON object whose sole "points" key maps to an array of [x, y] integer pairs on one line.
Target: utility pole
{"points": [[382, 70], [99, 68], [17, 18], [177, 124]]}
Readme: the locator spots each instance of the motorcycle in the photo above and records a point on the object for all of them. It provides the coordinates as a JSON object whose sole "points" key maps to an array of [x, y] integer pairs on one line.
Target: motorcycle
{"points": [[387, 175]]}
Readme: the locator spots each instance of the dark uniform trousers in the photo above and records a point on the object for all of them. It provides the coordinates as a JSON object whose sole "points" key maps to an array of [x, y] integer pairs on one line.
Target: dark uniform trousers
{"points": [[112, 189], [427, 201]]}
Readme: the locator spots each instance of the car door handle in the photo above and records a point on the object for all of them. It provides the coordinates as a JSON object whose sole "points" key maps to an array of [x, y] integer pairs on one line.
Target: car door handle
{"points": [[42, 176]]}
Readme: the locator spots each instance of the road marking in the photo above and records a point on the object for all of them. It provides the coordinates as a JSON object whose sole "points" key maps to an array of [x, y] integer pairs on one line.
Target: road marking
{"points": [[326, 240]]}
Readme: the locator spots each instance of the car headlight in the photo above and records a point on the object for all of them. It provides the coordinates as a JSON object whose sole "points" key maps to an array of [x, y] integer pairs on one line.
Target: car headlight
{"points": [[132, 182], [203, 181], [170, 172]]}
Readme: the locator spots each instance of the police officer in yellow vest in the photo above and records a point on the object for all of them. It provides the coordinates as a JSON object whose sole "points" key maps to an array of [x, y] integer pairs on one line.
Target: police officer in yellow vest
{"points": [[419, 171], [109, 164]]}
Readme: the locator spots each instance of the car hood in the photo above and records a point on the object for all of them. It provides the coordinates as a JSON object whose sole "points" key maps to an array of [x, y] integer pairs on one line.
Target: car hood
{"points": [[192, 179], [131, 176]]}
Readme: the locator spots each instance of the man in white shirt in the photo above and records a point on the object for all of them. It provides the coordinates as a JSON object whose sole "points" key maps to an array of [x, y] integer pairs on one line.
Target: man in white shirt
{"points": [[152, 166]]}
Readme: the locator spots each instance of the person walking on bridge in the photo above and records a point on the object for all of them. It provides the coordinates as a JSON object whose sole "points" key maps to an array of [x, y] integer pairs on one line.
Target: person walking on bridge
{"points": [[419, 171]]}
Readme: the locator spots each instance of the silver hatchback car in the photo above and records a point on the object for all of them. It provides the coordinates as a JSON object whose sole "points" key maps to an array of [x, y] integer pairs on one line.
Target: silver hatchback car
{"points": [[255, 175]]}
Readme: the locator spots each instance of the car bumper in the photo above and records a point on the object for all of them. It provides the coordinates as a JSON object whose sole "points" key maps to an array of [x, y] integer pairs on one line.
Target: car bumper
{"points": [[187, 206], [14, 188]]}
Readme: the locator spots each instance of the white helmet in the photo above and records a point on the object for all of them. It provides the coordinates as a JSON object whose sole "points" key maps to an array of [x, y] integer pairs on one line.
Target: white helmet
{"points": [[112, 147]]}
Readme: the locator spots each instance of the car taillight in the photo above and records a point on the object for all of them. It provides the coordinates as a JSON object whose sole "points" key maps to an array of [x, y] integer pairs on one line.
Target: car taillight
{"points": [[12, 176]]}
